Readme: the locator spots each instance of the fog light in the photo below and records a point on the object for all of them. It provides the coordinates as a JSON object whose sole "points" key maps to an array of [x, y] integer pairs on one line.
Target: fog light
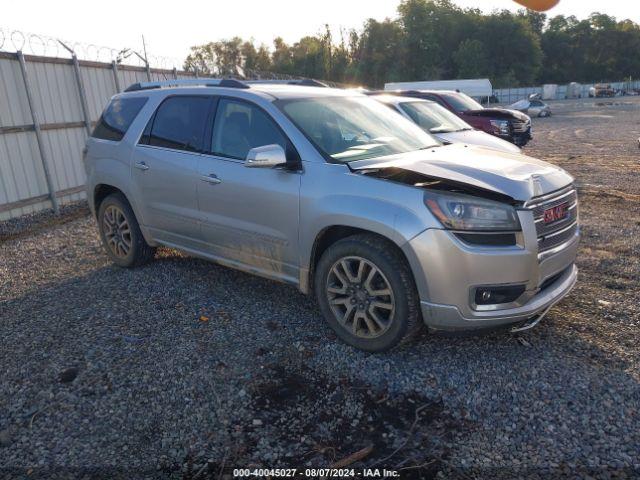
{"points": [[498, 295]]}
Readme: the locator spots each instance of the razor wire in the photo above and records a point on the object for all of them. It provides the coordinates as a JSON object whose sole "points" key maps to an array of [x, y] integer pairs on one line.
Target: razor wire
{"points": [[47, 46]]}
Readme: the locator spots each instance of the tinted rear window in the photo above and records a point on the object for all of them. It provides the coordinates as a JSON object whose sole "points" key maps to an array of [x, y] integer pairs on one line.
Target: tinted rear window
{"points": [[117, 118], [180, 122]]}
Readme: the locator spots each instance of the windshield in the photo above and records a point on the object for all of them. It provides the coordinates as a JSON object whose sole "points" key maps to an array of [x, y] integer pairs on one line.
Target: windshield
{"points": [[433, 117], [461, 102], [355, 128]]}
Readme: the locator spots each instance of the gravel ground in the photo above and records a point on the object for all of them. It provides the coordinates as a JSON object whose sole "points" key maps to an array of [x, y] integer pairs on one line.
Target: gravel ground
{"points": [[180, 368]]}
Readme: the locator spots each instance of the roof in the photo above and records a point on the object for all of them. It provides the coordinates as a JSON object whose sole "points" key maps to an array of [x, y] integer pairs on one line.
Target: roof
{"points": [[283, 91], [276, 89], [398, 99], [475, 87]]}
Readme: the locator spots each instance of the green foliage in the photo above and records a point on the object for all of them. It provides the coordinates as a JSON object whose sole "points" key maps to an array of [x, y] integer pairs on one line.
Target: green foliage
{"points": [[435, 39], [379, 49], [471, 59], [598, 48]]}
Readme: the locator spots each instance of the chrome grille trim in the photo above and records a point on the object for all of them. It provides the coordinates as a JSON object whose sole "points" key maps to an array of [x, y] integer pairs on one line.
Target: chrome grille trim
{"points": [[520, 126], [555, 195], [553, 235], [570, 207]]}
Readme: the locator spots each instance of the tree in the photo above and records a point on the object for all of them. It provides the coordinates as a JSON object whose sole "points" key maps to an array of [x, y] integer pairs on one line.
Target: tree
{"points": [[216, 58], [432, 39], [420, 47], [379, 52], [536, 20], [281, 56], [515, 49], [471, 59], [255, 59]]}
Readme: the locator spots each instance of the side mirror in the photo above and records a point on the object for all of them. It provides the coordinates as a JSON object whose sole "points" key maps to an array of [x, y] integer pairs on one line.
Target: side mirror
{"points": [[267, 156]]}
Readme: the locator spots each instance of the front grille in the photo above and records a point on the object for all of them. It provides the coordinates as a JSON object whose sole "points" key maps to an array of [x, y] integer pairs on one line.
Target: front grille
{"points": [[550, 241], [520, 126], [550, 235]]}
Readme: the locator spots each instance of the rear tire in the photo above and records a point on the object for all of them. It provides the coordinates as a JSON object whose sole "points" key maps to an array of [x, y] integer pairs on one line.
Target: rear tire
{"points": [[367, 294], [120, 233]]}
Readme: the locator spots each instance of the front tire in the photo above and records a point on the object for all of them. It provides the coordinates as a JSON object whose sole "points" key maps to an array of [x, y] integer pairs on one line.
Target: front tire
{"points": [[366, 292], [120, 233]]}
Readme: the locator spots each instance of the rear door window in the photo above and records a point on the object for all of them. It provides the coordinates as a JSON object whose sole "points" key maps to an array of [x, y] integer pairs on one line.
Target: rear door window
{"points": [[118, 117], [240, 126], [179, 123]]}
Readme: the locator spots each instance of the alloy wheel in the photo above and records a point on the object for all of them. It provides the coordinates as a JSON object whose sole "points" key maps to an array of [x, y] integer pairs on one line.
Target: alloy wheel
{"points": [[117, 231], [360, 297]]}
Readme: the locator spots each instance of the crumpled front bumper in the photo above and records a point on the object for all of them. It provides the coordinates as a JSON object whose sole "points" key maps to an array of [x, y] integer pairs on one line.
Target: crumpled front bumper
{"points": [[449, 317], [447, 271]]}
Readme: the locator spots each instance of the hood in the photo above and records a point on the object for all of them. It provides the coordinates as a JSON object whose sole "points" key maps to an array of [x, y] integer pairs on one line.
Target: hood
{"points": [[476, 137], [513, 174], [520, 105], [501, 113]]}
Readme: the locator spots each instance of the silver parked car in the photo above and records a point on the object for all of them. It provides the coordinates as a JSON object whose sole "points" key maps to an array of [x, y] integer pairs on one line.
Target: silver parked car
{"points": [[534, 107], [333, 192], [442, 124]]}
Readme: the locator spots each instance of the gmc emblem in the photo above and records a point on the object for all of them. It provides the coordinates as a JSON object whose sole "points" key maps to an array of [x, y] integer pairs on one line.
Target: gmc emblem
{"points": [[556, 213]]}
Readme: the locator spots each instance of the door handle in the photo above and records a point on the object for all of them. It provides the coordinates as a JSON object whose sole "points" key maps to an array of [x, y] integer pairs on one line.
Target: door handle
{"points": [[212, 178], [141, 166]]}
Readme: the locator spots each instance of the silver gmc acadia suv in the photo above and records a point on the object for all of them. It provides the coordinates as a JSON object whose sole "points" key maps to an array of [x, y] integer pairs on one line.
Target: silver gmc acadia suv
{"points": [[335, 193]]}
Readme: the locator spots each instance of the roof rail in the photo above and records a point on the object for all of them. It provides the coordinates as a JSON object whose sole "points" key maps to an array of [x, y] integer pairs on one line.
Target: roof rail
{"points": [[306, 82], [192, 82]]}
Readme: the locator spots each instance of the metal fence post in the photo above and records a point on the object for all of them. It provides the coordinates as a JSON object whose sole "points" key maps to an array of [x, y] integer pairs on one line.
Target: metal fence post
{"points": [[175, 73], [83, 96], [116, 80], [39, 139]]}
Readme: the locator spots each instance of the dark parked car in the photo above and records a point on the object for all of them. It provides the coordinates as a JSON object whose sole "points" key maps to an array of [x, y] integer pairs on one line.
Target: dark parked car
{"points": [[602, 90], [507, 124]]}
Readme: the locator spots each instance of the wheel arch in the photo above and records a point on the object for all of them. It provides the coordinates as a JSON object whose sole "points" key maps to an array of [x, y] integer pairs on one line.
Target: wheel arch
{"points": [[102, 191], [330, 235]]}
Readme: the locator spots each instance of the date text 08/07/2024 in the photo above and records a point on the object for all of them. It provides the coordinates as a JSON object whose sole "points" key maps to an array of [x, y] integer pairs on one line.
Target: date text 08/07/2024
{"points": [[316, 473]]}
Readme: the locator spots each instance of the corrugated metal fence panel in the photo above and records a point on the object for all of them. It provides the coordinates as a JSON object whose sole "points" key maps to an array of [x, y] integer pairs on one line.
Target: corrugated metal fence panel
{"points": [[55, 92], [21, 173], [99, 86], [57, 100], [64, 151], [14, 109], [128, 77], [161, 76]]}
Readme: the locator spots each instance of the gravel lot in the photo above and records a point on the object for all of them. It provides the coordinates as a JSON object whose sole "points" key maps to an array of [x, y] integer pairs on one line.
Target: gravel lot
{"points": [[182, 367]]}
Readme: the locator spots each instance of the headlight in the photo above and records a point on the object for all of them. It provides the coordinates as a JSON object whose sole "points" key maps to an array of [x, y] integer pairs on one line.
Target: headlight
{"points": [[500, 126], [464, 212]]}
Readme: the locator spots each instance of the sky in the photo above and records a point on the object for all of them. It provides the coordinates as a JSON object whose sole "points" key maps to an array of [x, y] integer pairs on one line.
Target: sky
{"points": [[170, 28]]}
